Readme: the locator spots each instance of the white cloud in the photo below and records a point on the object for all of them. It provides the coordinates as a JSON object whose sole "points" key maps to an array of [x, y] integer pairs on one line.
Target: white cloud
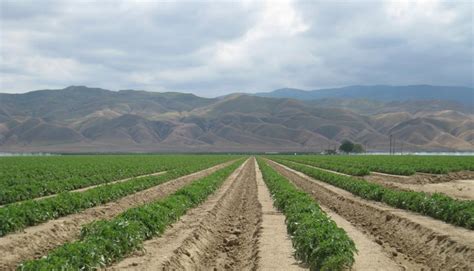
{"points": [[212, 48], [277, 21]]}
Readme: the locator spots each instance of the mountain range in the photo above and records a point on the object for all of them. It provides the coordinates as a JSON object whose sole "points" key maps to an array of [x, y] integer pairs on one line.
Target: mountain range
{"points": [[463, 95], [82, 119]]}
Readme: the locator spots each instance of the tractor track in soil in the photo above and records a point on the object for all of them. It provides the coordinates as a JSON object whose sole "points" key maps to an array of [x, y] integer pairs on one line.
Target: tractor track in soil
{"points": [[411, 240], [36, 241]]}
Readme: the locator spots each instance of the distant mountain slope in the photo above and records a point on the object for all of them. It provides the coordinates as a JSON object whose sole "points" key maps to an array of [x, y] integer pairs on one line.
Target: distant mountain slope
{"points": [[80, 101], [462, 95], [81, 119], [371, 107]]}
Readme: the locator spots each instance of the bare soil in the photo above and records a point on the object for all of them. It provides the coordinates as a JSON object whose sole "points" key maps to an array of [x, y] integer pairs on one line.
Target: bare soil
{"points": [[370, 256], [411, 240], [235, 229], [275, 248], [184, 237], [36, 241], [323, 169], [418, 178], [227, 238], [424, 178], [458, 189], [422, 182]]}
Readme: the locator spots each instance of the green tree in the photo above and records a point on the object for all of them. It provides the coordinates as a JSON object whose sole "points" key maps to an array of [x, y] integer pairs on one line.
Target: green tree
{"points": [[358, 148], [346, 146]]}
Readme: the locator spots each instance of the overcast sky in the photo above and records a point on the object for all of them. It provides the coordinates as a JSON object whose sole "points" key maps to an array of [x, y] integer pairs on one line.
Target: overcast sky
{"points": [[214, 48]]}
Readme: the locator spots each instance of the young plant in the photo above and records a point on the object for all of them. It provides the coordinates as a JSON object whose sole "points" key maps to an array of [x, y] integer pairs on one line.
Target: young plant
{"points": [[316, 238]]}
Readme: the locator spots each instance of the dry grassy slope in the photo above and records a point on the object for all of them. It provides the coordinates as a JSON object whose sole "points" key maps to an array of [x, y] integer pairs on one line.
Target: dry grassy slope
{"points": [[84, 119]]}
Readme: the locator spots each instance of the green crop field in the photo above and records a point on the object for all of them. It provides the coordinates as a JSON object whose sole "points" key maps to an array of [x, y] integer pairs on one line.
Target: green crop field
{"points": [[23, 178], [83, 212], [359, 165]]}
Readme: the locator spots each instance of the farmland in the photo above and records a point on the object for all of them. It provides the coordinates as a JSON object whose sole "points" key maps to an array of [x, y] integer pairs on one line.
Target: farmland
{"points": [[23, 178], [205, 212], [398, 165]]}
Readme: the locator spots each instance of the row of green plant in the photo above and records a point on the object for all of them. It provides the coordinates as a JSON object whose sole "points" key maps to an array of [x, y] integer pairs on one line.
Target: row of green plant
{"points": [[17, 216], [438, 206], [359, 165], [25, 169], [316, 238], [328, 164], [104, 242], [23, 178]]}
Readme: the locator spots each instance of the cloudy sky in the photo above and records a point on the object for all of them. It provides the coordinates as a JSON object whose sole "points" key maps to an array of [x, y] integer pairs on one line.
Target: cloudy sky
{"points": [[213, 48]]}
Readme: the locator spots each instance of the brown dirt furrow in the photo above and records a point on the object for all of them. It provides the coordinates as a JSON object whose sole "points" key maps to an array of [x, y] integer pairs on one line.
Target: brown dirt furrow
{"points": [[410, 239], [420, 182], [389, 175], [424, 178], [370, 255], [458, 189], [323, 169], [417, 178], [228, 237], [33, 242], [182, 240], [275, 248], [94, 186]]}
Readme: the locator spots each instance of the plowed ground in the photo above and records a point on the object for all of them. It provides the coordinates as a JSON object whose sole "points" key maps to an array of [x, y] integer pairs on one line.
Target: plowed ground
{"points": [[229, 231], [237, 228], [412, 241]]}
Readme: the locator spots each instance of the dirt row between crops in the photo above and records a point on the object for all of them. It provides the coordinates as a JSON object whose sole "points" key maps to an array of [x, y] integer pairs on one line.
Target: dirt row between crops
{"points": [[229, 231], [275, 247], [418, 178], [36, 241], [370, 255], [411, 240], [458, 189], [227, 237], [425, 178], [91, 187]]}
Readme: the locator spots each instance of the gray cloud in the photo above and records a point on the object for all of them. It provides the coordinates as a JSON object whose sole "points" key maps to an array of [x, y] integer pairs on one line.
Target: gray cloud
{"points": [[213, 48]]}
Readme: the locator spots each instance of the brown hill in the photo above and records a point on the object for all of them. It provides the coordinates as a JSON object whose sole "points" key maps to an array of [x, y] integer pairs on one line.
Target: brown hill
{"points": [[90, 120]]}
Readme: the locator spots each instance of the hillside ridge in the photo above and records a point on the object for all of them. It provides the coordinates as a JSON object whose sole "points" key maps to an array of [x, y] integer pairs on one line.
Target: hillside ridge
{"points": [[82, 119]]}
